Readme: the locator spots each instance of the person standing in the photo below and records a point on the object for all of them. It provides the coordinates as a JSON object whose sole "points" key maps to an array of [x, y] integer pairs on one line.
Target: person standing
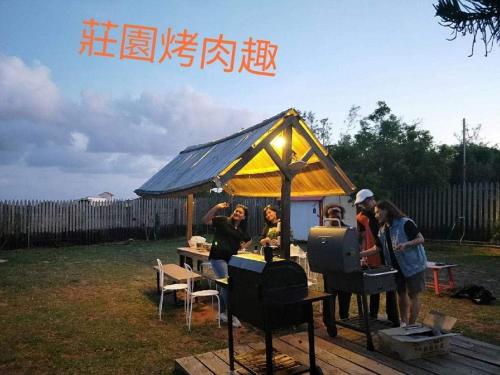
{"points": [[402, 246], [271, 232], [334, 216], [368, 227], [230, 235]]}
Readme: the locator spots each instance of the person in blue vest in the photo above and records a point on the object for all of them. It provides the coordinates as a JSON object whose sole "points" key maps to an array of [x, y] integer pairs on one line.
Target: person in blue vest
{"points": [[402, 247]]}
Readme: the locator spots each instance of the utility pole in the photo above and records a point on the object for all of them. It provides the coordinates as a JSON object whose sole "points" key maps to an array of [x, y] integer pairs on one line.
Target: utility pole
{"points": [[464, 141]]}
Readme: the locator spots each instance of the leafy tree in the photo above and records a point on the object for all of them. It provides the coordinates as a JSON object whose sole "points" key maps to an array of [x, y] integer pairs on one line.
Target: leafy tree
{"points": [[322, 128], [472, 17], [387, 154], [482, 163]]}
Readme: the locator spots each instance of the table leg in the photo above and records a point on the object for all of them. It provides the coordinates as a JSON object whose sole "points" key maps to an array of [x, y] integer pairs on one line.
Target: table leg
{"points": [[158, 282], [435, 274]]}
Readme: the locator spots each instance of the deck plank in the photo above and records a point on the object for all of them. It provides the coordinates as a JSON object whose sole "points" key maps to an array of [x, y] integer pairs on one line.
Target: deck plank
{"points": [[214, 363], [376, 356], [484, 353], [455, 367], [191, 365], [303, 357], [360, 360], [482, 357], [347, 354], [224, 355], [476, 364], [438, 367], [475, 342], [326, 353]]}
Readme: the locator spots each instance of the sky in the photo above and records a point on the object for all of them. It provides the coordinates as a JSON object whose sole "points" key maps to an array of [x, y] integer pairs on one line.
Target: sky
{"points": [[74, 124]]}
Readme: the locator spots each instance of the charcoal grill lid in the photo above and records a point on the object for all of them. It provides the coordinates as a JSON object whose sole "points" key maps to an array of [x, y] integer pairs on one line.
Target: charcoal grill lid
{"points": [[251, 262], [248, 263]]}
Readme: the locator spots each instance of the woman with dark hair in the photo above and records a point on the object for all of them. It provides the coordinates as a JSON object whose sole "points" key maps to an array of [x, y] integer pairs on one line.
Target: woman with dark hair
{"points": [[402, 247], [230, 235], [334, 216], [271, 232]]}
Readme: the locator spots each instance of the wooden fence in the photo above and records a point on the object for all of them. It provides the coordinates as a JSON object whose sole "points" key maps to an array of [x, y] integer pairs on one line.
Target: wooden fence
{"points": [[438, 211], [56, 223]]}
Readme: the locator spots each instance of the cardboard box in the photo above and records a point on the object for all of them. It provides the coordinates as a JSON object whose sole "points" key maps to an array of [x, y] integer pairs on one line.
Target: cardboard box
{"points": [[431, 338]]}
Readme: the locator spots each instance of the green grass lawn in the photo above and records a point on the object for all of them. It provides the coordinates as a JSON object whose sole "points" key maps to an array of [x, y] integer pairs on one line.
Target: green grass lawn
{"points": [[93, 309]]}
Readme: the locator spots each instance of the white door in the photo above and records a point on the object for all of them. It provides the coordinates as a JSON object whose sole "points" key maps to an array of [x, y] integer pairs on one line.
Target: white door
{"points": [[304, 215]]}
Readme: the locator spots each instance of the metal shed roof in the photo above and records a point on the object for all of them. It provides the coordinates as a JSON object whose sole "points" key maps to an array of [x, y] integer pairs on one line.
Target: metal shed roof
{"points": [[244, 164]]}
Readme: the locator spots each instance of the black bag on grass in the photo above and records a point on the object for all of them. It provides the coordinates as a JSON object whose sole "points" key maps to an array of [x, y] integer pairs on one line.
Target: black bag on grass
{"points": [[476, 293]]}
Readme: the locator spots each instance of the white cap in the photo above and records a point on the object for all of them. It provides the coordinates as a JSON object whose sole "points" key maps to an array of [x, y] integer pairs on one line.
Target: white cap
{"points": [[362, 195]]}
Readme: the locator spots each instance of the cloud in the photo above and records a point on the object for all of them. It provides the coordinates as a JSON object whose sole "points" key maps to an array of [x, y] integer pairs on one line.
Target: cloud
{"points": [[99, 134], [26, 92]]}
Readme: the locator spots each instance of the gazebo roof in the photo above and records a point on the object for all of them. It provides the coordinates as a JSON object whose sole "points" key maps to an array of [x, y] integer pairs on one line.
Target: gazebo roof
{"points": [[248, 164]]}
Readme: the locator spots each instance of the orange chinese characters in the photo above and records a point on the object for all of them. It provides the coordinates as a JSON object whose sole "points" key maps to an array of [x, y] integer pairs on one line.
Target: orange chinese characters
{"points": [[138, 43], [259, 57], [223, 51], [186, 46], [89, 39]]}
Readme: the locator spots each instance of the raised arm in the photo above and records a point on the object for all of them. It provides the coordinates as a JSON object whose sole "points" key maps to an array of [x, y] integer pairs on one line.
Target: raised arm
{"points": [[207, 219]]}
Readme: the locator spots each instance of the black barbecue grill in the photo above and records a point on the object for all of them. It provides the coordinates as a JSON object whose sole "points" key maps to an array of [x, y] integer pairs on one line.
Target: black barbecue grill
{"points": [[334, 252], [270, 295]]}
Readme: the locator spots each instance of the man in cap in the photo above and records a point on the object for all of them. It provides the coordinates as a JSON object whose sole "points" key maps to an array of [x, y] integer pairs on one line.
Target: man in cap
{"points": [[368, 229]]}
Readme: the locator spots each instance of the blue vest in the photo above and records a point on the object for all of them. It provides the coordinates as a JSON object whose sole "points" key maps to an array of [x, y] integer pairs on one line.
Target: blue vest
{"points": [[412, 260]]}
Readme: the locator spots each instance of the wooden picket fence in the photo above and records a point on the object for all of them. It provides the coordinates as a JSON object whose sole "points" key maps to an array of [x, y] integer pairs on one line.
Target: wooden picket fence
{"points": [[438, 211], [57, 223]]}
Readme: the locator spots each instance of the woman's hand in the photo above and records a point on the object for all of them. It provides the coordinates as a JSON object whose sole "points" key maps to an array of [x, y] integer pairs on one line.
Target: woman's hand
{"points": [[222, 205], [275, 242], [401, 246], [207, 219]]}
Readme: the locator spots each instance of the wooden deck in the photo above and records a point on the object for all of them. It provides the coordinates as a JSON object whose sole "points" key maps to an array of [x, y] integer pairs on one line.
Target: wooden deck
{"points": [[347, 354]]}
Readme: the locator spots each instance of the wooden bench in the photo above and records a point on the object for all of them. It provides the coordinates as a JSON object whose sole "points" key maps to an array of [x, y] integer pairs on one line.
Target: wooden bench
{"points": [[438, 287], [175, 273]]}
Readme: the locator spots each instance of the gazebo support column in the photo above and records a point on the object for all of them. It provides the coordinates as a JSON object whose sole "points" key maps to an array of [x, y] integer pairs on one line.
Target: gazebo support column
{"points": [[189, 217], [286, 189]]}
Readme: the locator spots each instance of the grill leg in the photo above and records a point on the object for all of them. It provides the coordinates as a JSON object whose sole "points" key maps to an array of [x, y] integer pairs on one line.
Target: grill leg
{"points": [[310, 332], [366, 316], [269, 345], [230, 328]]}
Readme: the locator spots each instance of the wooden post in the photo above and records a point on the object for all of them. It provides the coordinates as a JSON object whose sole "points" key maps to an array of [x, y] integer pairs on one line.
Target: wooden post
{"points": [[286, 189], [189, 217]]}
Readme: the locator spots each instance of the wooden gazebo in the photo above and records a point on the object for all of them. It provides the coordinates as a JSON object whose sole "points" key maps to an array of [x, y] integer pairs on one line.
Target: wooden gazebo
{"points": [[279, 157]]}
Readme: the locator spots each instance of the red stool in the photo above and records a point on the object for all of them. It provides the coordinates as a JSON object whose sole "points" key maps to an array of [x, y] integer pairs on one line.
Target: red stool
{"points": [[438, 287]]}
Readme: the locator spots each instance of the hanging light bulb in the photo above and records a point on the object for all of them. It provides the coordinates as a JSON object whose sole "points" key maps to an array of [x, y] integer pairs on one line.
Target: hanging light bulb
{"points": [[278, 142]]}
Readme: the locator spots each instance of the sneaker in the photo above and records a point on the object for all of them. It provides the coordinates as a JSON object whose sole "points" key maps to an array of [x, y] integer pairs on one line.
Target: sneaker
{"points": [[402, 324], [236, 322], [223, 317]]}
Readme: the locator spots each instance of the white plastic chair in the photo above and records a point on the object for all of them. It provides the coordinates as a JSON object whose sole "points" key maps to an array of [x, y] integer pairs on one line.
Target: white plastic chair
{"points": [[208, 273], [192, 295], [169, 288]]}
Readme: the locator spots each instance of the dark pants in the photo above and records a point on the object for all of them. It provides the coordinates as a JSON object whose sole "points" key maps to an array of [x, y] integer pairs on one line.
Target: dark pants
{"points": [[344, 302], [391, 307]]}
